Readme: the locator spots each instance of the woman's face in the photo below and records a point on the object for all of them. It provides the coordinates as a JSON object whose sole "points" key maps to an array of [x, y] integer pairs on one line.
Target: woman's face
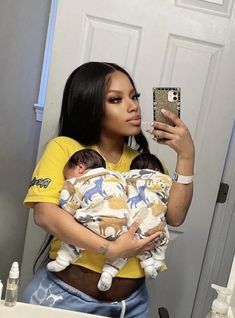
{"points": [[122, 111]]}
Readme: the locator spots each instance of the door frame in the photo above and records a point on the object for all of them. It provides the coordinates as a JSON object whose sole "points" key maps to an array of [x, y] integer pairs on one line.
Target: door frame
{"points": [[219, 254]]}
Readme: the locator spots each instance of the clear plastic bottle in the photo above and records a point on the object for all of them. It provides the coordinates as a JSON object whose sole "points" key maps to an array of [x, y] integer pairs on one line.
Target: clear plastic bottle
{"points": [[220, 306], [12, 285]]}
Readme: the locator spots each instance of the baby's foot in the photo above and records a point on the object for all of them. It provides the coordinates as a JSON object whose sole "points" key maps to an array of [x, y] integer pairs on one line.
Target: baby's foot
{"points": [[105, 281], [159, 264], [150, 272], [55, 267]]}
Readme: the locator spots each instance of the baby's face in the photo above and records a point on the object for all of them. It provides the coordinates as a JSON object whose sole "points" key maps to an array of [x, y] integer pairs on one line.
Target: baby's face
{"points": [[71, 173]]}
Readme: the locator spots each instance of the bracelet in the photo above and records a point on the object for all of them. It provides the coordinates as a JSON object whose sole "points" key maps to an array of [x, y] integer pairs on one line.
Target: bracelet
{"points": [[182, 179], [103, 249]]}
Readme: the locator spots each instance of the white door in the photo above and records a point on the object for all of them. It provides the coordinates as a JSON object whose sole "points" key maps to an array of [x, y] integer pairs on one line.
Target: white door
{"points": [[182, 43]]}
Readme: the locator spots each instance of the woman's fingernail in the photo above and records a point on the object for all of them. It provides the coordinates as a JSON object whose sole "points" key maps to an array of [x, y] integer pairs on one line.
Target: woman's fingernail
{"points": [[163, 110]]}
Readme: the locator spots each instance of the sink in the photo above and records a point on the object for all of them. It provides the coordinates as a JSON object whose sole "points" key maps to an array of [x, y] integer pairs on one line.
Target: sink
{"points": [[22, 310]]}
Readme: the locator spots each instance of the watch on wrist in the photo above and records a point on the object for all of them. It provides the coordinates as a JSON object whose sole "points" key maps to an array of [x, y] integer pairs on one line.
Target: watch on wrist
{"points": [[182, 179]]}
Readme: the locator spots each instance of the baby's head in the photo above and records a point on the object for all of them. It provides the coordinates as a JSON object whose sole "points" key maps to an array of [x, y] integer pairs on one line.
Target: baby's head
{"points": [[147, 161], [81, 161]]}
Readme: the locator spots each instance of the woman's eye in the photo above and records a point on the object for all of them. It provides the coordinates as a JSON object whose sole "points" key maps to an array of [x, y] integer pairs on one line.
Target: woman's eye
{"points": [[136, 96], [115, 100]]}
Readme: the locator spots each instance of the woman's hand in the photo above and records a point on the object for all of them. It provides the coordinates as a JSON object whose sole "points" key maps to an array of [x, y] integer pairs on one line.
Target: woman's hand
{"points": [[128, 245], [176, 137], [63, 226]]}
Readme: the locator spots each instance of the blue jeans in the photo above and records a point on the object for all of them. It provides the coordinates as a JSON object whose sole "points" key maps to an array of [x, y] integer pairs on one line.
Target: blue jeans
{"points": [[47, 290]]}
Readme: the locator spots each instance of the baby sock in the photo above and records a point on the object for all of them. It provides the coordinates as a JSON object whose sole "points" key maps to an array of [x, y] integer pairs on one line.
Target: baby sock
{"points": [[105, 281], [109, 271], [66, 255], [149, 268], [58, 265], [159, 258]]}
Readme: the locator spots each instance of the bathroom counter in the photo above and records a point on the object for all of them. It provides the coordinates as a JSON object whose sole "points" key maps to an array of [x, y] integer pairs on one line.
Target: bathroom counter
{"points": [[21, 310]]}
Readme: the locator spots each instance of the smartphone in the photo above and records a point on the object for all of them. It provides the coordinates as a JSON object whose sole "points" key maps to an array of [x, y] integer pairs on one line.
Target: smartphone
{"points": [[168, 98]]}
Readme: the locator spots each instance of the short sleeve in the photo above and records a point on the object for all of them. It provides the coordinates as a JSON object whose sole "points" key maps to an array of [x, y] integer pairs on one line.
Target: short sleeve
{"points": [[47, 180]]}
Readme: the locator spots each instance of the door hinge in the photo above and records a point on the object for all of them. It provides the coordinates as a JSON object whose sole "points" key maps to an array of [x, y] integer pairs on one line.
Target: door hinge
{"points": [[222, 193]]}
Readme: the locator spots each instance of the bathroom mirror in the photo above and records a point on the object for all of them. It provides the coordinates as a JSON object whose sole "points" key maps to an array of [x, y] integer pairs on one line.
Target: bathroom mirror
{"points": [[186, 44]]}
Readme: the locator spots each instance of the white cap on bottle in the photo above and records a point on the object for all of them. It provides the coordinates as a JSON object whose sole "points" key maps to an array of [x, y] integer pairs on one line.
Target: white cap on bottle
{"points": [[220, 304], [14, 272]]}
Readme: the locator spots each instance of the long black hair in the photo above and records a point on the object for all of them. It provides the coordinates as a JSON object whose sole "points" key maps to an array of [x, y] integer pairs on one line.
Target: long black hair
{"points": [[83, 104], [83, 109]]}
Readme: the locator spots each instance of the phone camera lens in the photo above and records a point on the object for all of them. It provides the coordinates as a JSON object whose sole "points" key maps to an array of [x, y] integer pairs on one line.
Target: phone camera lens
{"points": [[174, 98], [174, 93]]}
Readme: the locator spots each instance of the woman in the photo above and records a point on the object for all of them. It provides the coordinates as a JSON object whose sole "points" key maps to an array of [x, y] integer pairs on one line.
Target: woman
{"points": [[100, 110]]}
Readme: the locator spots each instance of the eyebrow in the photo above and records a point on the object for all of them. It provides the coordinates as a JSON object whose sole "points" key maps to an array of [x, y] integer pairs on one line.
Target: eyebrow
{"points": [[117, 91]]}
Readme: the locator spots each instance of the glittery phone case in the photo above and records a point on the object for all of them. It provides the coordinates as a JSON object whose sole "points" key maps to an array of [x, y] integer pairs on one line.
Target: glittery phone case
{"points": [[168, 98]]}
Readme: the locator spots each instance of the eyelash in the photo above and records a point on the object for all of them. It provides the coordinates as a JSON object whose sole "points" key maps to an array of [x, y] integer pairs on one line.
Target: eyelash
{"points": [[136, 96], [116, 100]]}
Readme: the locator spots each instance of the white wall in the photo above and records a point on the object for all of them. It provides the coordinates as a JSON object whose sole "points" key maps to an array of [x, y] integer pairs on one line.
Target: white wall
{"points": [[23, 26]]}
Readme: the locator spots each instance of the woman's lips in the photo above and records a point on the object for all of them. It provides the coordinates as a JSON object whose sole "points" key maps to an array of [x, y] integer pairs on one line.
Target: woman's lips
{"points": [[135, 120]]}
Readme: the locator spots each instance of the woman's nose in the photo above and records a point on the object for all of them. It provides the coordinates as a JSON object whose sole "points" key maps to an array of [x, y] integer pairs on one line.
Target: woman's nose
{"points": [[133, 105]]}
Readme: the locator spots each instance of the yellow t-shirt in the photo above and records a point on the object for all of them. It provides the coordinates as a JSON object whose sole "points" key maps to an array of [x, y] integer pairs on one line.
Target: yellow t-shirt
{"points": [[47, 182]]}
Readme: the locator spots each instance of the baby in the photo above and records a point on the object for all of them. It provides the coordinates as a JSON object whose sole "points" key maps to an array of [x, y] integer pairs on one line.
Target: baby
{"points": [[105, 202], [147, 196]]}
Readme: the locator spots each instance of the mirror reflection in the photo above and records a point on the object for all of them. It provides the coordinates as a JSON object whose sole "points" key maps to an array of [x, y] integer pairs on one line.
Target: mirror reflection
{"points": [[136, 53]]}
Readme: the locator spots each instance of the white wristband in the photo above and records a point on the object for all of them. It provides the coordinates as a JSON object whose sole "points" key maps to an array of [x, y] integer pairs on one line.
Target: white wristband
{"points": [[182, 179]]}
